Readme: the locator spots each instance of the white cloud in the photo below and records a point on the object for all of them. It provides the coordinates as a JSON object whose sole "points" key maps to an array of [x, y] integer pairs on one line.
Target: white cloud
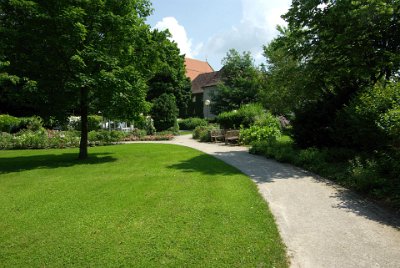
{"points": [[256, 28], [179, 35]]}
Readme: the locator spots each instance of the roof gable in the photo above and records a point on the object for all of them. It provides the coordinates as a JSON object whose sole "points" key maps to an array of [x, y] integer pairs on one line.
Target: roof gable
{"points": [[196, 67]]}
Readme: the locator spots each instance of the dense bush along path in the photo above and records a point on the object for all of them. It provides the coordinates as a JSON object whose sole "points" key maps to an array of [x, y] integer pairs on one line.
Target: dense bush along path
{"points": [[323, 225]]}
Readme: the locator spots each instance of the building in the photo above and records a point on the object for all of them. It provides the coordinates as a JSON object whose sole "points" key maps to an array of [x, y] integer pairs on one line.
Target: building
{"points": [[204, 81]]}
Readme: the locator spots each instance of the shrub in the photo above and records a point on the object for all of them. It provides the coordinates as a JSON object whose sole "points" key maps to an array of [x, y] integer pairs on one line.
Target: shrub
{"points": [[94, 122], [203, 133], [138, 133], [259, 133], [370, 120], [192, 123], [164, 112], [29, 139], [33, 123], [266, 128], [6, 141], [281, 149], [9, 124], [105, 137], [246, 115]]}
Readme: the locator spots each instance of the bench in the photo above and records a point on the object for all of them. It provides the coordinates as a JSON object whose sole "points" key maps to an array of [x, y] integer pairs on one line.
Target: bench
{"points": [[217, 134], [231, 136]]}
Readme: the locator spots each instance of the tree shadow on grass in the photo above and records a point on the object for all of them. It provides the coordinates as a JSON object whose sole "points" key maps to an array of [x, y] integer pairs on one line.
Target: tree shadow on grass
{"points": [[50, 161], [206, 165]]}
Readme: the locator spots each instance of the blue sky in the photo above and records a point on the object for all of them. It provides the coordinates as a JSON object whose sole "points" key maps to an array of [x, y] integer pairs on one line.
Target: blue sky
{"points": [[207, 29]]}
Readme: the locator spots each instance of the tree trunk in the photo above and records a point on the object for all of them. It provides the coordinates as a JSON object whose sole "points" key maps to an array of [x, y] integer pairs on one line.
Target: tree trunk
{"points": [[83, 146]]}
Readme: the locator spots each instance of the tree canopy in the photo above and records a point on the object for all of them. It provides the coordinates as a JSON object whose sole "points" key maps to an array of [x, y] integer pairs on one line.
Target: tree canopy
{"points": [[169, 74], [63, 57], [241, 82], [330, 52]]}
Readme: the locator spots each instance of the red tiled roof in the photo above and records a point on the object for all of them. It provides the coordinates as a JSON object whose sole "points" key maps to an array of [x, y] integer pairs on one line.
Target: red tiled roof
{"points": [[196, 67], [205, 80]]}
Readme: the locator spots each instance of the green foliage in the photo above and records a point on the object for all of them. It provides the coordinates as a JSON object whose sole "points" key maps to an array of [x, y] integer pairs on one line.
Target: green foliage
{"points": [[86, 56], [94, 123], [11, 124], [169, 73], [42, 139], [140, 133], [258, 133], [192, 123], [102, 137], [164, 112], [321, 62], [241, 84], [203, 133], [371, 120], [245, 116], [146, 123], [8, 123]]}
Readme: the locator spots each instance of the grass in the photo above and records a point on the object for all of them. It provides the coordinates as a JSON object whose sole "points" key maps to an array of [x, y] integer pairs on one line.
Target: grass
{"points": [[141, 205]]}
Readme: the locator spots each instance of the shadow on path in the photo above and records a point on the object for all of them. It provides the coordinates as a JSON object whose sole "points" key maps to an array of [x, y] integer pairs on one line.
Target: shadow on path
{"points": [[259, 168], [50, 161], [354, 203]]}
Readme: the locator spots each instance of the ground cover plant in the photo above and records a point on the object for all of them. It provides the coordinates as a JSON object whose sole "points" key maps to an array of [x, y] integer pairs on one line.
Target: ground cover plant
{"points": [[142, 205]]}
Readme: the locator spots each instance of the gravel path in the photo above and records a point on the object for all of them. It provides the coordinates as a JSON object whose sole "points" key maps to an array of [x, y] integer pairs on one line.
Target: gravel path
{"points": [[322, 224]]}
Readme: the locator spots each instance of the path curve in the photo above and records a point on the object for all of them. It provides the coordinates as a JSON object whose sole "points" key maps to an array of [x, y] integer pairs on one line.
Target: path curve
{"points": [[322, 224]]}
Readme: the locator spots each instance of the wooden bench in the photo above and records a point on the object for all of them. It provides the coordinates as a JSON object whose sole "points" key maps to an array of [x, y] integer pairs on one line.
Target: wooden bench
{"points": [[231, 136], [217, 134]]}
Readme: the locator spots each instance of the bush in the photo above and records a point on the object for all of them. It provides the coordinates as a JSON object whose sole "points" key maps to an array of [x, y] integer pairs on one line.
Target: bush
{"points": [[164, 112], [105, 137], [33, 123], [266, 128], [94, 122], [9, 124], [138, 133], [203, 133], [246, 116], [192, 123], [370, 120], [6, 141], [259, 133]]}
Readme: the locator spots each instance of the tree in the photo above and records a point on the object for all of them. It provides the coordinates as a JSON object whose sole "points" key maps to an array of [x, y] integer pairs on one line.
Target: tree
{"points": [[284, 88], [164, 112], [85, 55], [169, 74], [241, 82], [339, 48]]}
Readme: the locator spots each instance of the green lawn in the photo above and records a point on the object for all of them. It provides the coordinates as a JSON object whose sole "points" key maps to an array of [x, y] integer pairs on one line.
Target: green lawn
{"points": [[142, 205]]}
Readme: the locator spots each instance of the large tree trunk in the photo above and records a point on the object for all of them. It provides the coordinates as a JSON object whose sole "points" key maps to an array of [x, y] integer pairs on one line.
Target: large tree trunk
{"points": [[83, 147]]}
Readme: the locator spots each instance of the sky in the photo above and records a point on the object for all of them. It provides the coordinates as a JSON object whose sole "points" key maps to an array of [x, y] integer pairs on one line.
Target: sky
{"points": [[207, 29]]}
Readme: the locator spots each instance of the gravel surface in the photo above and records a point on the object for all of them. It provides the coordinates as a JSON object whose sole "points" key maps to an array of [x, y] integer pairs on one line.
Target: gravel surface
{"points": [[322, 224]]}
